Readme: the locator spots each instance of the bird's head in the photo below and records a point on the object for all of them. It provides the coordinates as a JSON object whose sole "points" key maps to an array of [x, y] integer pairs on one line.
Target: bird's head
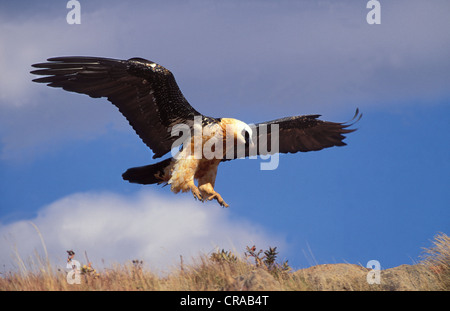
{"points": [[241, 132]]}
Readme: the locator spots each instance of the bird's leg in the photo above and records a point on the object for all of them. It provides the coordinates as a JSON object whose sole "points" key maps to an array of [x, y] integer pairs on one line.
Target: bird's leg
{"points": [[195, 191], [208, 193], [182, 176]]}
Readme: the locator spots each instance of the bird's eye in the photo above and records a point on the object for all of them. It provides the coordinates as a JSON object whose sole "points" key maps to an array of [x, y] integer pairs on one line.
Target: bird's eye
{"points": [[246, 135]]}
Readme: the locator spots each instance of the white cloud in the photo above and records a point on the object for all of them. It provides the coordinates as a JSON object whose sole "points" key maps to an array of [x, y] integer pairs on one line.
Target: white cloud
{"points": [[38, 34], [144, 226], [35, 118]]}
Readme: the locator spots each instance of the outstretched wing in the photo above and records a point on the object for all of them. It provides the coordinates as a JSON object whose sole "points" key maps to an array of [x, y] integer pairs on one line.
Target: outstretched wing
{"points": [[298, 134], [145, 93]]}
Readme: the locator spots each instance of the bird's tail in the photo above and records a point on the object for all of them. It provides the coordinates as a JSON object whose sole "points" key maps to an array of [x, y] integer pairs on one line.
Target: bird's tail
{"points": [[149, 174]]}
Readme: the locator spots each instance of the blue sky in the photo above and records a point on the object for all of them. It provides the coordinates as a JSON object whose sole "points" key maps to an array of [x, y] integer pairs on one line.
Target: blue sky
{"points": [[382, 197]]}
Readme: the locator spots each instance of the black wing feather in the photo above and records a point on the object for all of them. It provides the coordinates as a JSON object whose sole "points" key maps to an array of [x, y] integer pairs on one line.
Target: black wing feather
{"points": [[145, 93], [299, 134]]}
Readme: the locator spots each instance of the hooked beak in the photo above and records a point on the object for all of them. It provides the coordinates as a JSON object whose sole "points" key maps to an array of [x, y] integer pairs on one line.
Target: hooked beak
{"points": [[251, 143]]}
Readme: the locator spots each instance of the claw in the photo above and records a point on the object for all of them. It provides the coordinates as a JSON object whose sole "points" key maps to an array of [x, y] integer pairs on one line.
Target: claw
{"points": [[209, 194], [219, 199], [197, 194]]}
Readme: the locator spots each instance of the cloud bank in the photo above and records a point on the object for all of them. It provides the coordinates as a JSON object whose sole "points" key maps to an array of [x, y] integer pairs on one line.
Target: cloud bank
{"points": [[115, 228]]}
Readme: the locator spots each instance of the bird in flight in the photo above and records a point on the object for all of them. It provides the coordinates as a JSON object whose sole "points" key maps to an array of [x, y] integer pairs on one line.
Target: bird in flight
{"points": [[148, 96]]}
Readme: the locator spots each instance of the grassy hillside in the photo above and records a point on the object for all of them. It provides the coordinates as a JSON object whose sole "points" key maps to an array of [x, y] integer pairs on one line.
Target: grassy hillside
{"points": [[256, 270]]}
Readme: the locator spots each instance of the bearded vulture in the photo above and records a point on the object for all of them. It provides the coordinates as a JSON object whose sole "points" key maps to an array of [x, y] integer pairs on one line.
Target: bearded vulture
{"points": [[148, 96]]}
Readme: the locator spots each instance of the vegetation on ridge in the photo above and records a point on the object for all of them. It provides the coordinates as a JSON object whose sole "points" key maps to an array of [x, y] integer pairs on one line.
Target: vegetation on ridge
{"points": [[256, 270]]}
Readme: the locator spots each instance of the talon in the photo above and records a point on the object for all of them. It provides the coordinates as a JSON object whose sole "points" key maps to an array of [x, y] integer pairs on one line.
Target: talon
{"points": [[209, 194], [197, 194], [219, 199]]}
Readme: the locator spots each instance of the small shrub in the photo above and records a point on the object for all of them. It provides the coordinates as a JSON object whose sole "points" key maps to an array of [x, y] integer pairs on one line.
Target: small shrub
{"points": [[268, 260], [223, 256]]}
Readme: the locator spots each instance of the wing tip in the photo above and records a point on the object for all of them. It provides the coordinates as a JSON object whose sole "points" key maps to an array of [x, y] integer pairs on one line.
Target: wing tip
{"points": [[358, 115]]}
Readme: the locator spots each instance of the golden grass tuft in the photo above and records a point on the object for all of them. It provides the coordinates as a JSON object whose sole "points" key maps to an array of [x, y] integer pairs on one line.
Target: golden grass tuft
{"points": [[437, 259]]}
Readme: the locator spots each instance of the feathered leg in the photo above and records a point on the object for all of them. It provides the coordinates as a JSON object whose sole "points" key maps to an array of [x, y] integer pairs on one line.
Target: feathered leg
{"points": [[183, 177], [206, 176]]}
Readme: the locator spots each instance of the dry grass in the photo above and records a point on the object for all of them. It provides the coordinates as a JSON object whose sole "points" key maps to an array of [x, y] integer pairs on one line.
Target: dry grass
{"points": [[437, 259], [224, 271], [207, 273]]}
